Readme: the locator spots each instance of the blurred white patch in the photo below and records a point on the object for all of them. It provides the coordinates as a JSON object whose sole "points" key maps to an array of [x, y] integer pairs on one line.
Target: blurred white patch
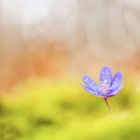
{"points": [[26, 11], [107, 28]]}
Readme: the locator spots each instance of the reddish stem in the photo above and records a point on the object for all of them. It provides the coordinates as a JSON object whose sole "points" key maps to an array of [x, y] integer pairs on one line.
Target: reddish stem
{"points": [[106, 101]]}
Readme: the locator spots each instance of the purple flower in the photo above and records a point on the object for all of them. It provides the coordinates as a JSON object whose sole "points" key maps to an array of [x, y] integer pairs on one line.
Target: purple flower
{"points": [[109, 85]]}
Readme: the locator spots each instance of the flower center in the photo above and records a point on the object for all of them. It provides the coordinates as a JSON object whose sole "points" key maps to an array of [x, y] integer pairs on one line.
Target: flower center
{"points": [[104, 88]]}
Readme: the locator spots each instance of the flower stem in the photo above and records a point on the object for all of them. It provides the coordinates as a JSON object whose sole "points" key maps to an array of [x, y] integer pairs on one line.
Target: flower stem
{"points": [[106, 101]]}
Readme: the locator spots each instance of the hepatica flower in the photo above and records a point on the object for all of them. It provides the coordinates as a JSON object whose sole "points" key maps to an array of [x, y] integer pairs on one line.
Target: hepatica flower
{"points": [[109, 85]]}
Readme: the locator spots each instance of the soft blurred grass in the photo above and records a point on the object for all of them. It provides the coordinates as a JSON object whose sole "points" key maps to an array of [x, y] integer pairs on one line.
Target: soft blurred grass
{"points": [[62, 110]]}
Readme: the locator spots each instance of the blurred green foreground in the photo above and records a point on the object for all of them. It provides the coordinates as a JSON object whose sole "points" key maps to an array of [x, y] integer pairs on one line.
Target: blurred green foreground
{"points": [[62, 110]]}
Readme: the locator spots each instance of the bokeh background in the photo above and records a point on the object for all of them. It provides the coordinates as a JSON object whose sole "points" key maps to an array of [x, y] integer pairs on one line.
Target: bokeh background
{"points": [[45, 48]]}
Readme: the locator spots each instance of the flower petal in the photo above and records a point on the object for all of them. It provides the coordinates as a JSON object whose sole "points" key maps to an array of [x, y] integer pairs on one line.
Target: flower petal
{"points": [[117, 81], [94, 91], [116, 84], [91, 86], [115, 91], [87, 79], [105, 77], [90, 83]]}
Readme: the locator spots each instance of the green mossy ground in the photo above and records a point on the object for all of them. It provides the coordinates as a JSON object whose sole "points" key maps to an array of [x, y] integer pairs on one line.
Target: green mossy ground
{"points": [[64, 111]]}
